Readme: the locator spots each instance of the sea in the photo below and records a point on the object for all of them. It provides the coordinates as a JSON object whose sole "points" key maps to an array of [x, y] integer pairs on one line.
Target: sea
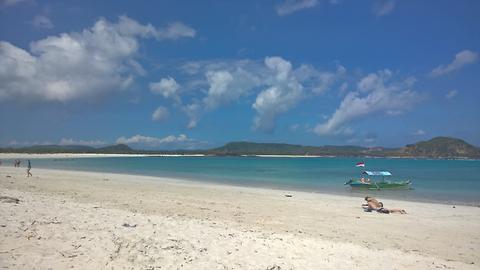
{"points": [[444, 181]]}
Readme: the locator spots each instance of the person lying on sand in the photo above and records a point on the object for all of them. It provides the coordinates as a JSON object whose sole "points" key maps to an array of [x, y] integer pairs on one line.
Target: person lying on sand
{"points": [[391, 210], [374, 205], [371, 203]]}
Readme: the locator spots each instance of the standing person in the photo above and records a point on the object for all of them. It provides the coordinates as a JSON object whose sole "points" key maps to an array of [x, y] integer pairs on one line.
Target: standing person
{"points": [[29, 168]]}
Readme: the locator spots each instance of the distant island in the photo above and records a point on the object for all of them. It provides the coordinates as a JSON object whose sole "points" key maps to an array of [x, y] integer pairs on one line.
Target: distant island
{"points": [[438, 147]]}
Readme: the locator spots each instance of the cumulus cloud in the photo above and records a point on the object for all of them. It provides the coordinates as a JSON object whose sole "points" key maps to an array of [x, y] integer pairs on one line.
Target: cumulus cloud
{"points": [[462, 59], [278, 86], [42, 21], [168, 142], [383, 7], [291, 6], [167, 87], [160, 114], [376, 93], [451, 94], [70, 141], [319, 81], [78, 65], [226, 87], [283, 94]]}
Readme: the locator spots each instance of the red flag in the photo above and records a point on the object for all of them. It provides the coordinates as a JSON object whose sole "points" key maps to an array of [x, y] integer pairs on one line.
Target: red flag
{"points": [[360, 164]]}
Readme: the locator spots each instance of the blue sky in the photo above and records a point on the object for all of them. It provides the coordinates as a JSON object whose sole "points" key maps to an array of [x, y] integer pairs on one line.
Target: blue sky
{"points": [[198, 74]]}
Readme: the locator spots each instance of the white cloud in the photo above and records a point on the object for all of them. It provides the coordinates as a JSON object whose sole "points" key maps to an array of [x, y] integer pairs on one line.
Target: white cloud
{"points": [[160, 114], [226, 87], [193, 112], [12, 2], [63, 141], [69, 141], [42, 21], [168, 142], [283, 94], [451, 94], [152, 141], [176, 30], [15, 143], [316, 80], [167, 87], [78, 65], [279, 87], [291, 6], [376, 94], [462, 59], [383, 7], [419, 132]]}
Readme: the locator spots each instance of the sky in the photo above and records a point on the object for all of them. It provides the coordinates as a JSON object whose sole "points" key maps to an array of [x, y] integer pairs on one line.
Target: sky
{"points": [[199, 74]]}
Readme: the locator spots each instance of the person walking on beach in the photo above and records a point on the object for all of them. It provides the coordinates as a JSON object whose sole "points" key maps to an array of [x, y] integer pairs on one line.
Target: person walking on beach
{"points": [[29, 168]]}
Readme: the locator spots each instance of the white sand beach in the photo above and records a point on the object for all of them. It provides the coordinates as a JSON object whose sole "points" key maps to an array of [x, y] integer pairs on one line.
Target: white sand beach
{"points": [[83, 220]]}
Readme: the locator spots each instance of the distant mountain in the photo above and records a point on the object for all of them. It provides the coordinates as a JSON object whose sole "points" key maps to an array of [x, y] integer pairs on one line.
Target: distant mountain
{"points": [[251, 148], [439, 147], [116, 149]]}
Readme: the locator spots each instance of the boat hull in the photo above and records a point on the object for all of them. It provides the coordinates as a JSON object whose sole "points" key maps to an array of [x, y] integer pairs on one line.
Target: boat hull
{"points": [[380, 185]]}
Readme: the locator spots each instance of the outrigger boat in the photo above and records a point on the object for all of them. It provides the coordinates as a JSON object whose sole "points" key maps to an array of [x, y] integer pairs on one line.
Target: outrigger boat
{"points": [[366, 183]]}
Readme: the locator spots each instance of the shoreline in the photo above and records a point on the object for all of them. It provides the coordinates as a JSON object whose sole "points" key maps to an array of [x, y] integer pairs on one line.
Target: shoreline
{"points": [[218, 226], [391, 194], [213, 183]]}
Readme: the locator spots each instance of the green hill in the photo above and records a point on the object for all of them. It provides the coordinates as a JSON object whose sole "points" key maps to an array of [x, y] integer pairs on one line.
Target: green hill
{"points": [[251, 148], [439, 147], [116, 149], [445, 147]]}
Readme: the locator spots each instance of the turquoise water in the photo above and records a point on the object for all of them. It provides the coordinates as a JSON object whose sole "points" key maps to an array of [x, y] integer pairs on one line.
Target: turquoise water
{"points": [[451, 181]]}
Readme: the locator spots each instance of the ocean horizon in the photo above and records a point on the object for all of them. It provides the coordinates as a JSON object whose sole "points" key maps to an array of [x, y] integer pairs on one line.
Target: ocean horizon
{"points": [[440, 181]]}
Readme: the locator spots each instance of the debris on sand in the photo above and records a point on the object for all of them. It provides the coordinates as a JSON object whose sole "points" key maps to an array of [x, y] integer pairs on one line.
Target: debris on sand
{"points": [[7, 199], [129, 225]]}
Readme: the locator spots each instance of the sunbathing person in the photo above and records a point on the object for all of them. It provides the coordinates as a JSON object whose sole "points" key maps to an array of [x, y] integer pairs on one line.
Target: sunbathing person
{"points": [[391, 210], [374, 205]]}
